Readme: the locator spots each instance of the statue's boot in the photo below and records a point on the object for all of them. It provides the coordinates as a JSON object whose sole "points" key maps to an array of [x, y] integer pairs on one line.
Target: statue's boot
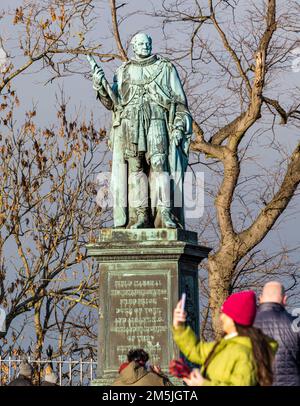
{"points": [[166, 218], [142, 219]]}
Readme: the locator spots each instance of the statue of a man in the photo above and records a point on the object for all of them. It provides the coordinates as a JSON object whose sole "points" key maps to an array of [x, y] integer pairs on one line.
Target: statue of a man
{"points": [[150, 137]]}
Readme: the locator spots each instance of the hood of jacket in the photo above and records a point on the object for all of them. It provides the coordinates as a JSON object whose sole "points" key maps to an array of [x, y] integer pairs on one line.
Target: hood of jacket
{"points": [[243, 342], [132, 373], [246, 342]]}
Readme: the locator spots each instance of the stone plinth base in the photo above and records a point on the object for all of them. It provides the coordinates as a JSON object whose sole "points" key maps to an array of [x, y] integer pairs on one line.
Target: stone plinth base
{"points": [[142, 275]]}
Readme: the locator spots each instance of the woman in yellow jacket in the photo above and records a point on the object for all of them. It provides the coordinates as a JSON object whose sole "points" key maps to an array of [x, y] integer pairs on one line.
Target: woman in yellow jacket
{"points": [[244, 355]]}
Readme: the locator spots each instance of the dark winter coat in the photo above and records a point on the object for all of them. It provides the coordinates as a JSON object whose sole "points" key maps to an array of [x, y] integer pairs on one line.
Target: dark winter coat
{"points": [[276, 322], [21, 381], [46, 383]]}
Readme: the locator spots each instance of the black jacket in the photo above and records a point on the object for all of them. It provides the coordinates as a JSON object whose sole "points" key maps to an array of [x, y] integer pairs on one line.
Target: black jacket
{"points": [[46, 383], [21, 381], [276, 322]]}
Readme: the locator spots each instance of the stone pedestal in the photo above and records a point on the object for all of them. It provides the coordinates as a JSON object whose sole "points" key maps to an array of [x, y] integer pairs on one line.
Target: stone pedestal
{"points": [[142, 275]]}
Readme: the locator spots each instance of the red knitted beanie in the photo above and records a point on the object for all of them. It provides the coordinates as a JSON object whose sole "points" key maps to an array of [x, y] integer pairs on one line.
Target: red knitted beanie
{"points": [[241, 307]]}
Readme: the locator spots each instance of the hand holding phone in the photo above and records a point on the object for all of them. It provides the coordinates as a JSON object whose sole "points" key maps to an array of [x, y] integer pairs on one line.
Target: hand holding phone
{"points": [[179, 316]]}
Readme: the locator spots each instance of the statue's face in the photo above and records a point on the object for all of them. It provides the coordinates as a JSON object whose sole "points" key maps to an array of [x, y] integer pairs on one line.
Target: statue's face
{"points": [[142, 46]]}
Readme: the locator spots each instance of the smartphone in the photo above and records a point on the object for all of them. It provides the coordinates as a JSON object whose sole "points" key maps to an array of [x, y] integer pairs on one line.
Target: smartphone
{"points": [[183, 299], [148, 366]]}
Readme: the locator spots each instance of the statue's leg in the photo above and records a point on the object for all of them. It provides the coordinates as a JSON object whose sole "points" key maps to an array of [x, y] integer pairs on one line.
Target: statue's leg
{"points": [[138, 191], [161, 190], [119, 185], [157, 147]]}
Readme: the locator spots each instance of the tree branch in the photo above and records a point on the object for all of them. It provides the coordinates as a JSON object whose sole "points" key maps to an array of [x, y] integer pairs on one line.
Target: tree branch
{"points": [[84, 52], [238, 127], [229, 48], [121, 49], [199, 144], [268, 216]]}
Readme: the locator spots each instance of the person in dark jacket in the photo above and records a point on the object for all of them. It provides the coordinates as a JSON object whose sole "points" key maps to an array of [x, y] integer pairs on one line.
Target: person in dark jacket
{"points": [[137, 371], [273, 319], [25, 375]]}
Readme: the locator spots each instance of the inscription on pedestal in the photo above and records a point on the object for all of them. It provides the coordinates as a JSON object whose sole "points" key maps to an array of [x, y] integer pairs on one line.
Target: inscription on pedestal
{"points": [[138, 314]]}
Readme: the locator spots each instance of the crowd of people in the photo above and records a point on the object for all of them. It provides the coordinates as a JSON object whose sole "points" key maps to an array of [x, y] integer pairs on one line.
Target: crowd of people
{"points": [[25, 377], [259, 346]]}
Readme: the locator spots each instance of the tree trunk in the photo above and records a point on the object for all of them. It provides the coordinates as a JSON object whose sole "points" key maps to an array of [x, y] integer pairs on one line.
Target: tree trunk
{"points": [[38, 330], [220, 271]]}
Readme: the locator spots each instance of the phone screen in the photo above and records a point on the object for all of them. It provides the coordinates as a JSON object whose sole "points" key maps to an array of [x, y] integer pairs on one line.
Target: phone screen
{"points": [[183, 299]]}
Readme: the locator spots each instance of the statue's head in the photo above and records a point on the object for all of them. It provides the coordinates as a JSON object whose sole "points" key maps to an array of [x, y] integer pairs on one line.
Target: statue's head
{"points": [[142, 45]]}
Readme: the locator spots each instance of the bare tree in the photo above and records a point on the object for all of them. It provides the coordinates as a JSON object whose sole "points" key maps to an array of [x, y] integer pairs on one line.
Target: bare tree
{"points": [[231, 64], [243, 49], [48, 213], [47, 200], [49, 29]]}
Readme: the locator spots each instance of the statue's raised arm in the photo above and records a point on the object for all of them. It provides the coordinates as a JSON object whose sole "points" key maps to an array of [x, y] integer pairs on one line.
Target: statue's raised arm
{"points": [[101, 85]]}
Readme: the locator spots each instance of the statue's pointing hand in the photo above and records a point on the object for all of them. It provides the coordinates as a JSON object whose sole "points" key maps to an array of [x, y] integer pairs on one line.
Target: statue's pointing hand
{"points": [[98, 73]]}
